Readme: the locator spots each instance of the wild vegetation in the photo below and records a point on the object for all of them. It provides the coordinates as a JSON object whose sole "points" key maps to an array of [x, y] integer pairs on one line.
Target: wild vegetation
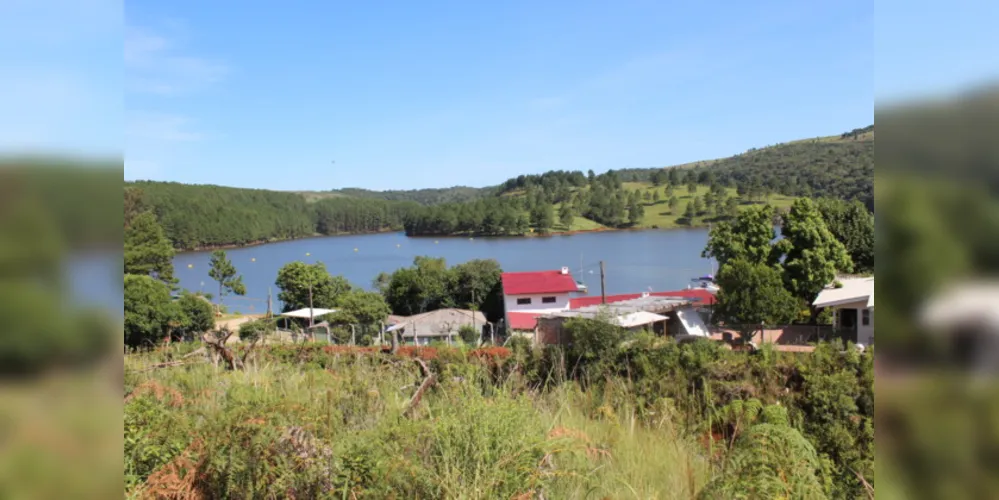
{"points": [[49, 210], [649, 419], [765, 281]]}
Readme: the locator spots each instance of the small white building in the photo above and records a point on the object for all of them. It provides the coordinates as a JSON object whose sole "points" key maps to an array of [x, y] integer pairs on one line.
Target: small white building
{"points": [[852, 302], [527, 295], [441, 325]]}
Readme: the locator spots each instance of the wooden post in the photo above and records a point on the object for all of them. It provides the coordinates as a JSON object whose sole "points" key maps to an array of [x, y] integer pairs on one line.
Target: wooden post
{"points": [[603, 291], [311, 318]]}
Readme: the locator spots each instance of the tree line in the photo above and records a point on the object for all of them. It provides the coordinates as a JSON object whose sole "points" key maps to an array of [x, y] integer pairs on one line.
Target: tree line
{"points": [[195, 216], [534, 203]]}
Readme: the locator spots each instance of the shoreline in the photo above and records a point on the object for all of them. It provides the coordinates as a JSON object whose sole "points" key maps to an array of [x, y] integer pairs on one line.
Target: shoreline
{"points": [[525, 236], [233, 246]]}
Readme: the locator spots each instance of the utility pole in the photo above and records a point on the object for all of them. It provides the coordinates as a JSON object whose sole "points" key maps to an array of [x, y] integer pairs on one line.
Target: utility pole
{"points": [[269, 302], [310, 303], [603, 292]]}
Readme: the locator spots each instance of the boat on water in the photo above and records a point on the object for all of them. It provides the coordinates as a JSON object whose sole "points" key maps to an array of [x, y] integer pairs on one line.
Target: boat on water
{"points": [[706, 282]]}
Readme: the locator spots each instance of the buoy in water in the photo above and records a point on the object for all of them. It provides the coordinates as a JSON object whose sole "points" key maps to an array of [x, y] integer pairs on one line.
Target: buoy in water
{"points": [[435, 242], [189, 266], [307, 254], [355, 249], [398, 245], [253, 259]]}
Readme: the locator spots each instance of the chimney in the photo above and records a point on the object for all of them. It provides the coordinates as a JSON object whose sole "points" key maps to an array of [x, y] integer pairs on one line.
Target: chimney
{"points": [[565, 270]]}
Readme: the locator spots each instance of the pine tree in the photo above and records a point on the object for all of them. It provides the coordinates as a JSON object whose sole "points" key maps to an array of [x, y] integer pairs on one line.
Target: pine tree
{"points": [[656, 197], [689, 213], [692, 187], [673, 203], [147, 250], [566, 216], [222, 271], [698, 205], [635, 213], [543, 217]]}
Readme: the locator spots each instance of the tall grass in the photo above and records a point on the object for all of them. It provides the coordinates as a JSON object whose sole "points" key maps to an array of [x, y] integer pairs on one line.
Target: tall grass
{"points": [[289, 430], [651, 420]]}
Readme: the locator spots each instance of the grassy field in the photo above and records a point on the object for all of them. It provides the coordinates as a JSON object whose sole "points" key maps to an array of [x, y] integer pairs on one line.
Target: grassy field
{"points": [[658, 215], [342, 427], [646, 419]]}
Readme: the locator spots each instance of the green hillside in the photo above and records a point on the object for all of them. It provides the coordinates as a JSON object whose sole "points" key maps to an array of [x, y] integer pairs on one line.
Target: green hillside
{"points": [[837, 166], [840, 166]]}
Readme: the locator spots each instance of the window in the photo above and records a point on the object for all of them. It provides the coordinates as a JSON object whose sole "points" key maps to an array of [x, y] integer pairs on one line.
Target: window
{"points": [[524, 302], [548, 300], [865, 318]]}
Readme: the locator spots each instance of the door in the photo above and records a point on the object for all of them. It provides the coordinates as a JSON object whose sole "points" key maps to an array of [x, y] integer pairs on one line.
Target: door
{"points": [[848, 324]]}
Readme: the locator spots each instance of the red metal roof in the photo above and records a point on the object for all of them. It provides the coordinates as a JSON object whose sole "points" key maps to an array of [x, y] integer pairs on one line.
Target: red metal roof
{"points": [[523, 320], [705, 298], [538, 282]]}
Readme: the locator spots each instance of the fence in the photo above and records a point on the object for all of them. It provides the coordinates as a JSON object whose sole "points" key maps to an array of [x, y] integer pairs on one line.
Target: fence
{"points": [[796, 335], [370, 335]]}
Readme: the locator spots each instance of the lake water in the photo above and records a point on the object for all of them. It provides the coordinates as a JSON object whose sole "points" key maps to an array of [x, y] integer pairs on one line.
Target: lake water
{"points": [[635, 261]]}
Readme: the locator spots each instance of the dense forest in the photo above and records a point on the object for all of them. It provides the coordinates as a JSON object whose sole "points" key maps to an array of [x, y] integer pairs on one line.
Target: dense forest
{"points": [[431, 196], [833, 167], [534, 203], [196, 216], [841, 167]]}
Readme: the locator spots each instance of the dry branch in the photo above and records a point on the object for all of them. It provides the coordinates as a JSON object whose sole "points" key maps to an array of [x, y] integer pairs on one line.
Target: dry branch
{"points": [[429, 380], [218, 346]]}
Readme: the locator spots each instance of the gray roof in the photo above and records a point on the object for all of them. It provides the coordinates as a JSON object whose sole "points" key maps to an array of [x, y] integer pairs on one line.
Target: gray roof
{"points": [[439, 323], [650, 304]]}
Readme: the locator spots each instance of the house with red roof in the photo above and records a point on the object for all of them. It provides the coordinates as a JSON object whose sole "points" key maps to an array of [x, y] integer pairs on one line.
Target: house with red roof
{"points": [[527, 295]]}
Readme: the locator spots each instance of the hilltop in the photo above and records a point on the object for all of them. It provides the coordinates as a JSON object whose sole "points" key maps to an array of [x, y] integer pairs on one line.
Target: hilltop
{"points": [[838, 166]]}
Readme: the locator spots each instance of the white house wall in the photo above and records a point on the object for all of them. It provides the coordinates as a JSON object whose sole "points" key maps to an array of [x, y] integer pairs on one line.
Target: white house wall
{"points": [[536, 306], [865, 333]]}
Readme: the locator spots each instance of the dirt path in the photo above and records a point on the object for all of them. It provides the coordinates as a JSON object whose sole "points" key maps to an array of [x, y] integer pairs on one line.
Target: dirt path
{"points": [[233, 324]]}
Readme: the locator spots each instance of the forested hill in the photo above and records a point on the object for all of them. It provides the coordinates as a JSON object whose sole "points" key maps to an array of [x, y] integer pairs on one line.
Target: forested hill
{"points": [[834, 167], [840, 166], [432, 196], [203, 216]]}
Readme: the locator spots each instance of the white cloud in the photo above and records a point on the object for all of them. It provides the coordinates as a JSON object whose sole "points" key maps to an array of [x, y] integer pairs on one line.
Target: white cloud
{"points": [[155, 64]]}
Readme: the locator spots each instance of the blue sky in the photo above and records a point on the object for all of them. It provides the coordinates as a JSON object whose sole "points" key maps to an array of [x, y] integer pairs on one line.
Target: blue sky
{"points": [[430, 94], [433, 94]]}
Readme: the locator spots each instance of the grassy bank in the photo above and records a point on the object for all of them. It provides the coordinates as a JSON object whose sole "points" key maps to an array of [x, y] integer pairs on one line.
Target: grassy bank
{"points": [[312, 422]]}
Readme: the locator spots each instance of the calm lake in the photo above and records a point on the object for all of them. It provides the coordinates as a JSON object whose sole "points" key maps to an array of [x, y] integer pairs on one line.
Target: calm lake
{"points": [[635, 261]]}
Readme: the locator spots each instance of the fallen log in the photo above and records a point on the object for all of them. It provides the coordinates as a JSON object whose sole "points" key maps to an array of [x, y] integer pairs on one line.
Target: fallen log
{"points": [[217, 344], [428, 380]]}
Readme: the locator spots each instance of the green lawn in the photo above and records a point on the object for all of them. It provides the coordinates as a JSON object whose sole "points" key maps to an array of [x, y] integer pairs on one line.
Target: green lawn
{"points": [[658, 215], [578, 224]]}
